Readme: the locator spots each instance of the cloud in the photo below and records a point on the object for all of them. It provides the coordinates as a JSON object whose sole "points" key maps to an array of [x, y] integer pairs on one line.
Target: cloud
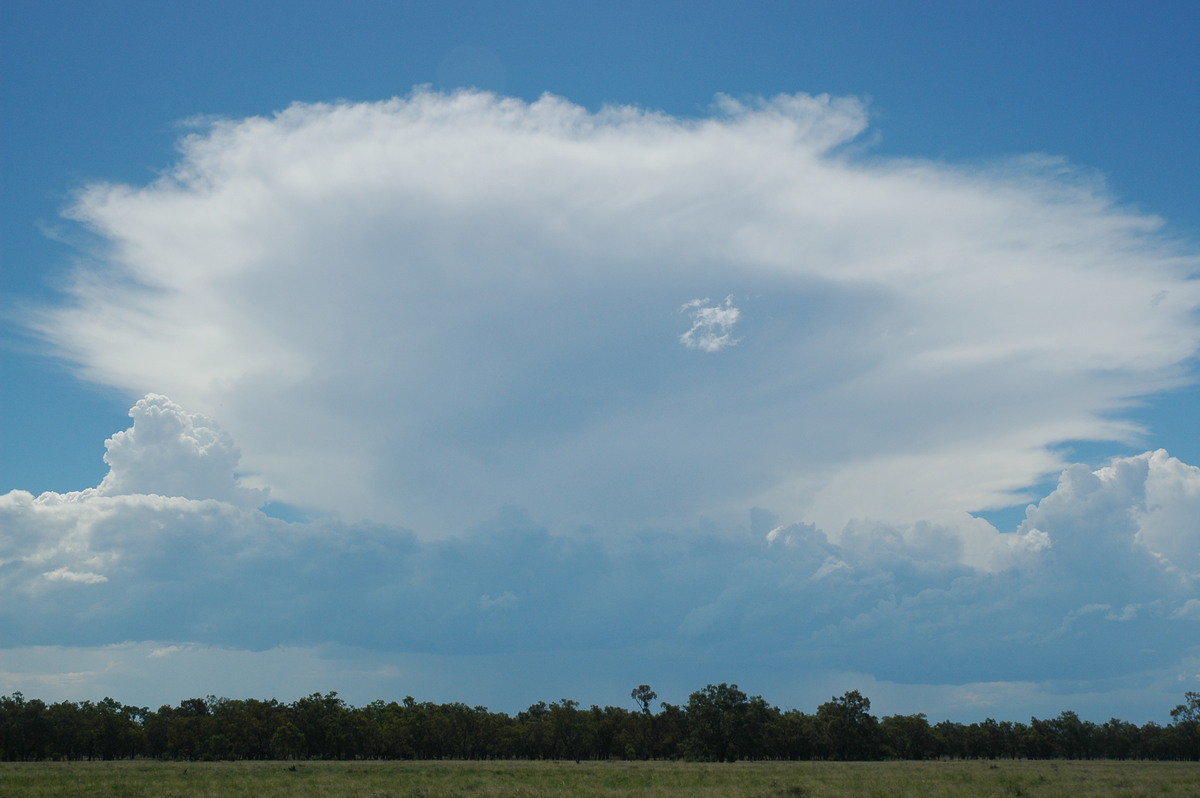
{"points": [[173, 453], [1081, 596], [422, 310], [711, 326], [65, 575], [166, 651], [1189, 610]]}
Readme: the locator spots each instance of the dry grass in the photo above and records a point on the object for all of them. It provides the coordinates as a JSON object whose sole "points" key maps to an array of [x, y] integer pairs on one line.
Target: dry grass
{"points": [[153, 779]]}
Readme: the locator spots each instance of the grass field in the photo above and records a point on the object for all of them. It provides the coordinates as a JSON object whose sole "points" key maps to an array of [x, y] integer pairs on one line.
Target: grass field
{"points": [[153, 779]]}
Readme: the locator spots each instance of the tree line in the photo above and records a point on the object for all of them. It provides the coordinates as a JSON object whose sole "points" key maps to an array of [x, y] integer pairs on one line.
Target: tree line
{"points": [[718, 723]]}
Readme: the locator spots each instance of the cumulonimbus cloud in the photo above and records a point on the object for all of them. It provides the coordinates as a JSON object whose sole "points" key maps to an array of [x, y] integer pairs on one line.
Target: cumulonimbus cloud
{"points": [[424, 309]]}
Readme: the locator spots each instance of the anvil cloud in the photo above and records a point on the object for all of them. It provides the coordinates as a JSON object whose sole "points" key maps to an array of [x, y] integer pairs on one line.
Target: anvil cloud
{"points": [[423, 310]]}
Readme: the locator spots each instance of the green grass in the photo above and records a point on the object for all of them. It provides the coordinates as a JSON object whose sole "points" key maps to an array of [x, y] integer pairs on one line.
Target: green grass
{"points": [[153, 779]]}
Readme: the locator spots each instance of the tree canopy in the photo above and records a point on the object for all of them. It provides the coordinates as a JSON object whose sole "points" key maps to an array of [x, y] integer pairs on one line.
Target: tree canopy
{"points": [[718, 723]]}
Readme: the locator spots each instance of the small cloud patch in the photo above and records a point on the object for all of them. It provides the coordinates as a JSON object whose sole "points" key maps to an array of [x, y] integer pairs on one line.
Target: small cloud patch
{"points": [[712, 325], [66, 575], [503, 601], [166, 651]]}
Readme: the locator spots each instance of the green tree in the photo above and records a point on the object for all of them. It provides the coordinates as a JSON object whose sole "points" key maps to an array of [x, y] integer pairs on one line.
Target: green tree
{"points": [[1189, 710], [793, 735], [908, 736], [569, 729], [613, 734], [287, 742], [643, 695], [66, 730], [323, 721], [112, 729], [1076, 738], [849, 730], [536, 734], [670, 730], [189, 728], [1039, 739], [1118, 739], [219, 747], [1185, 731], [724, 725]]}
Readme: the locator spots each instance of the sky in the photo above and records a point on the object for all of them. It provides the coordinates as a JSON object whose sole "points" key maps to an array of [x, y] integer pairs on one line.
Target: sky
{"points": [[506, 353]]}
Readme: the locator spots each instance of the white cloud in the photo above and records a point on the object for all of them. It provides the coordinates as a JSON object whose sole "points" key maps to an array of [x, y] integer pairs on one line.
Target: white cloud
{"points": [[164, 587], [170, 452], [1168, 524], [66, 575], [1189, 610], [424, 309], [712, 326], [167, 651]]}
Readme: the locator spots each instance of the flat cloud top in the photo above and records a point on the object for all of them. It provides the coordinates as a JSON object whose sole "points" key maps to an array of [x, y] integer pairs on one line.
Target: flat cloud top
{"points": [[421, 310]]}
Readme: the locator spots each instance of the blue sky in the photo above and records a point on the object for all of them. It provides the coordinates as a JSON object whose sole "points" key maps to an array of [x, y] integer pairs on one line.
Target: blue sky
{"points": [[501, 353]]}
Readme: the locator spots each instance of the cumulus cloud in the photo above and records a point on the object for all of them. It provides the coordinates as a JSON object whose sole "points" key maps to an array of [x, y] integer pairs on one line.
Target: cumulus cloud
{"points": [[424, 309], [1090, 589], [170, 452]]}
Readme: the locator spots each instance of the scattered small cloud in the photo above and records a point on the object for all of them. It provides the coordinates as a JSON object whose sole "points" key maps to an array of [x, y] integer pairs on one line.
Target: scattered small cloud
{"points": [[66, 575], [503, 601], [712, 325], [1188, 611], [166, 651]]}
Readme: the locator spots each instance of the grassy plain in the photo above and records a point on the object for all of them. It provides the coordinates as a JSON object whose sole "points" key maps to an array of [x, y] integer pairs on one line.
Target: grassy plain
{"points": [[153, 779]]}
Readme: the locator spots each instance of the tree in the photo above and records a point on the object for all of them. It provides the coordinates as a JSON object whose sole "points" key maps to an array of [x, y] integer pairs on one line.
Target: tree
{"points": [[287, 742], [1186, 729], [792, 735], [1189, 711], [1039, 739], [1076, 738], [1119, 739], [535, 730], [188, 728], [719, 721], [568, 728], [670, 728], [643, 695], [112, 729], [613, 733], [849, 729], [908, 736], [322, 720]]}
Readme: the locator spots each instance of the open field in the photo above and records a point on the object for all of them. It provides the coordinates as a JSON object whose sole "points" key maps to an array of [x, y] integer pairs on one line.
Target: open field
{"points": [[154, 779]]}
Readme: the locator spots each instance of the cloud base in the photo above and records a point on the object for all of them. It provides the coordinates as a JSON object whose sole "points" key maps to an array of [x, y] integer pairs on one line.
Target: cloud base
{"points": [[1095, 596]]}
